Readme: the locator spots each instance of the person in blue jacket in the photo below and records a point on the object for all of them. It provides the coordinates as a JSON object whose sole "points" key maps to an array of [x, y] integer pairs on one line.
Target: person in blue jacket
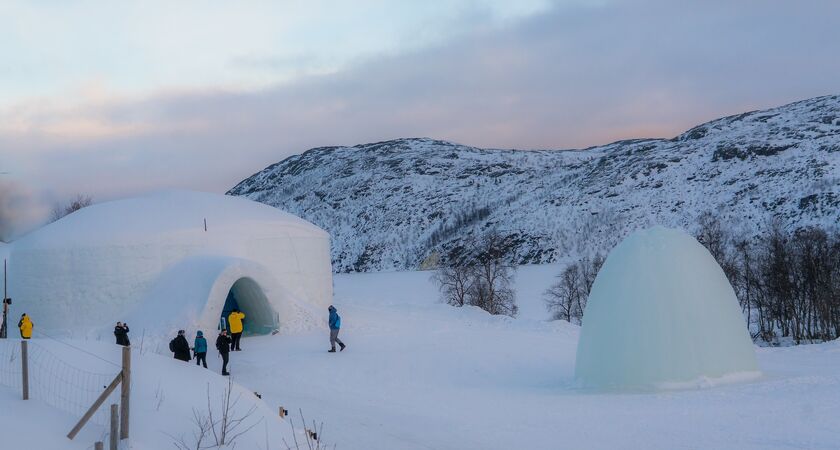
{"points": [[200, 349], [335, 325]]}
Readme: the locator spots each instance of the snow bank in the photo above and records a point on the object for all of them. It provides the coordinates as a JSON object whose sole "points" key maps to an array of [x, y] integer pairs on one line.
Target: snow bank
{"points": [[662, 313]]}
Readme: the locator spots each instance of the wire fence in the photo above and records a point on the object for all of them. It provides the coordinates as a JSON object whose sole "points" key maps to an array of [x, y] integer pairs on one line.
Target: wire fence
{"points": [[54, 381], [10, 369]]}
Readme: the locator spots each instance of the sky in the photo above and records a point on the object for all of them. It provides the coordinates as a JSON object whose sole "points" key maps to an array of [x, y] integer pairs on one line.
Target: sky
{"points": [[110, 99]]}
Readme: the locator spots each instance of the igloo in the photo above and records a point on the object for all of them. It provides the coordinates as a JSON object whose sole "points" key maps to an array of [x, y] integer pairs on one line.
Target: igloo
{"points": [[170, 260], [662, 313]]}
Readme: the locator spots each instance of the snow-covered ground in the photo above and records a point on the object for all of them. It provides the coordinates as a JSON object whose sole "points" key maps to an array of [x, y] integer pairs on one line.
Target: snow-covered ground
{"points": [[418, 374]]}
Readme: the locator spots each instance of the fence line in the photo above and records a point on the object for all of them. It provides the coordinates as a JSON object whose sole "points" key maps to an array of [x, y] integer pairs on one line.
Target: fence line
{"points": [[10, 363], [54, 381]]}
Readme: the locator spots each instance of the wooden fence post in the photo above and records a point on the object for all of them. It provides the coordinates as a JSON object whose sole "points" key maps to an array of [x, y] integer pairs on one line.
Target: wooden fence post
{"points": [[24, 367], [99, 401], [115, 426], [125, 392]]}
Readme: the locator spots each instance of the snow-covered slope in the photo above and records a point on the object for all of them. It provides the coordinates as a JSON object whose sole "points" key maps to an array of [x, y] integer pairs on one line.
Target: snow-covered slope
{"points": [[392, 205], [167, 396]]}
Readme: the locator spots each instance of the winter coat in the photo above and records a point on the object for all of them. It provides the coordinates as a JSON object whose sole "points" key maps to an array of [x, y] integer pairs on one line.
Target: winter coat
{"points": [[200, 343], [335, 319], [235, 321], [121, 332], [223, 344], [25, 326], [180, 347]]}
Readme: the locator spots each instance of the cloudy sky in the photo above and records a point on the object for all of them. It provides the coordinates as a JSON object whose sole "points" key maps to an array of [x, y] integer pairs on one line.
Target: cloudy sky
{"points": [[115, 98]]}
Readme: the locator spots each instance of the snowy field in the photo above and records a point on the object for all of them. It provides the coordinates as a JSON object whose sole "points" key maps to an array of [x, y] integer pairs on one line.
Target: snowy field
{"points": [[418, 374]]}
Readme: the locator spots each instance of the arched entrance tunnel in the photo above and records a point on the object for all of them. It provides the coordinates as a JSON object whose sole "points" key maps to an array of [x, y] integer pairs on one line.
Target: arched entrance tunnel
{"points": [[247, 296]]}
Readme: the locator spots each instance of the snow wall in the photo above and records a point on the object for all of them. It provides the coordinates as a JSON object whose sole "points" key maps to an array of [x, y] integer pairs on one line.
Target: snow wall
{"points": [[149, 260], [661, 313]]}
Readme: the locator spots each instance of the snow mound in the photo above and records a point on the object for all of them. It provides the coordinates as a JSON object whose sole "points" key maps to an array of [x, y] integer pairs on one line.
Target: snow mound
{"points": [[661, 313], [169, 260]]}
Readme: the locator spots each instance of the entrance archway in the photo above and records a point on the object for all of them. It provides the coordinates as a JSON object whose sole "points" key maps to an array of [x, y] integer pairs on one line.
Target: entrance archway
{"points": [[247, 296]]}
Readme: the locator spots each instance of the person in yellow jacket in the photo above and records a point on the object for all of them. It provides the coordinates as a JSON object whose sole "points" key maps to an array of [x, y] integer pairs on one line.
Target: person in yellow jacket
{"points": [[235, 324], [25, 326]]}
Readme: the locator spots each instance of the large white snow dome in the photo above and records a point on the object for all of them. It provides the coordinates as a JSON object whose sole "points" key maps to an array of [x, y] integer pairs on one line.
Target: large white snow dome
{"points": [[662, 313], [150, 259]]}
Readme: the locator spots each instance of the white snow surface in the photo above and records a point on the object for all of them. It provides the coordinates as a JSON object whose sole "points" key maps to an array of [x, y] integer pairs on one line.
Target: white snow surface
{"points": [[418, 374], [164, 393], [662, 311]]}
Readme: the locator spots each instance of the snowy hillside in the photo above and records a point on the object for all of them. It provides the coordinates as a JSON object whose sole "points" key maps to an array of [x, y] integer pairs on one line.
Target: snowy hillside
{"points": [[392, 205]]}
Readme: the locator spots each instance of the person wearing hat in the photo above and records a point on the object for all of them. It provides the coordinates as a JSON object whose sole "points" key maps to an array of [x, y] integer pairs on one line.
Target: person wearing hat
{"points": [[335, 326], [200, 349], [180, 347], [25, 325], [223, 346]]}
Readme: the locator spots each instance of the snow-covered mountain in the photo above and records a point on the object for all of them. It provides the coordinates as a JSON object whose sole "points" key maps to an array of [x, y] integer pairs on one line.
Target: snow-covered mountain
{"points": [[398, 204]]}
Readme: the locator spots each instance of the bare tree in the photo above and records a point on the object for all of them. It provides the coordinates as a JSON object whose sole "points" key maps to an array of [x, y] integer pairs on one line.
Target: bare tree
{"points": [[491, 289], [224, 426], [481, 279], [61, 210], [454, 282], [566, 298], [710, 233], [787, 282], [563, 297]]}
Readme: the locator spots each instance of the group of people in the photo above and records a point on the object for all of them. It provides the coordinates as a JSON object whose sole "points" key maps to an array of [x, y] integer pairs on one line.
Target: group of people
{"points": [[225, 343], [180, 348]]}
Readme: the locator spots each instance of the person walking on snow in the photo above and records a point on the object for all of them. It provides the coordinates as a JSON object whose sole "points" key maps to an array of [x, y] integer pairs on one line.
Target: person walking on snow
{"points": [[200, 349], [180, 347], [235, 325], [25, 325], [335, 325], [121, 332], [223, 346]]}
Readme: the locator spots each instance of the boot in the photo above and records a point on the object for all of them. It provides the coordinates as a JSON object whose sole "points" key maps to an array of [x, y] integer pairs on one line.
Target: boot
{"points": [[332, 350], [342, 347]]}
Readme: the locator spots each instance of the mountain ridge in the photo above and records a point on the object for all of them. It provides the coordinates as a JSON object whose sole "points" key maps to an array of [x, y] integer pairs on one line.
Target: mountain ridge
{"points": [[399, 204]]}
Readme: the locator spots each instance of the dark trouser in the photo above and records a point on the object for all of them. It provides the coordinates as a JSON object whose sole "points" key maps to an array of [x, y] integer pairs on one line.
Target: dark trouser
{"points": [[334, 338], [234, 343], [201, 358], [225, 357]]}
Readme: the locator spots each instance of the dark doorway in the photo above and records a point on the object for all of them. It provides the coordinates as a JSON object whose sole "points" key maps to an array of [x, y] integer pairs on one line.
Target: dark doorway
{"points": [[247, 296]]}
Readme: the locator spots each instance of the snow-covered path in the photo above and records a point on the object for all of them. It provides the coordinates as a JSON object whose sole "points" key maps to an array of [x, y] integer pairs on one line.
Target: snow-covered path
{"points": [[421, 375]]}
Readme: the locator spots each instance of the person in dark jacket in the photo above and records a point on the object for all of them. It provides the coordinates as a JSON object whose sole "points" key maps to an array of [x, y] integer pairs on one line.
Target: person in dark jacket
{"points": [[121, 332], [180, 347], [335, 325], [200, 349], [223, 346]]}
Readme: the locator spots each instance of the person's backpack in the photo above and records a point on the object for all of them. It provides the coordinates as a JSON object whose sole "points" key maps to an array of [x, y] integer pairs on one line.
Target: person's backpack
{"points": [[172, 346]]}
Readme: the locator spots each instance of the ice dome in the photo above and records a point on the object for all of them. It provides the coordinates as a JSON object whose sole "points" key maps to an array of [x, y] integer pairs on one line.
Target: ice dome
{"points": [[173, 259], [662, 313]]}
